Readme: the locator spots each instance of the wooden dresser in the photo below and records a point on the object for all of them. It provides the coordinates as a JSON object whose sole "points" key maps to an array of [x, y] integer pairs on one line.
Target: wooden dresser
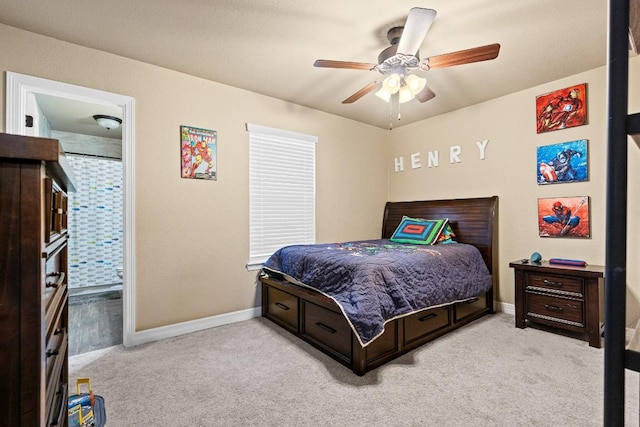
{"points": [[560, 296], [34, 181]]}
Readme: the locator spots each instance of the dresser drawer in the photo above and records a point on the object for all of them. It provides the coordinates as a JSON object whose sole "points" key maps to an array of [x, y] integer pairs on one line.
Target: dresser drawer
{"points": [[55, 347], [555, 282], [57, 412], [55, 280], [55, 358], [424, 323], [328, 328], [282, 307], [554, 308], [470, 306]]}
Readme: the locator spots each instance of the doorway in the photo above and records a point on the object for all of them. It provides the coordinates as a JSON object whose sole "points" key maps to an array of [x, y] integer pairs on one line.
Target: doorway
{"points": [[22, 90]]}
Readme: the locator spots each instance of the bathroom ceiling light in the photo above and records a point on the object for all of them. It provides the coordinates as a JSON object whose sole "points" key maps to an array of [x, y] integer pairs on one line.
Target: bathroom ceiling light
{"points": [[107, 122]]}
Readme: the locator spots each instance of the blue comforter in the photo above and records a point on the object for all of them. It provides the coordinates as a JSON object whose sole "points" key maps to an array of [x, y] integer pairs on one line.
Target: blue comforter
{"points": [[375, 281]]}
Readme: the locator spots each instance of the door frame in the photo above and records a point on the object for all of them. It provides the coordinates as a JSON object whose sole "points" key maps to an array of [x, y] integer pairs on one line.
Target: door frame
{"points": [[18, 88]]}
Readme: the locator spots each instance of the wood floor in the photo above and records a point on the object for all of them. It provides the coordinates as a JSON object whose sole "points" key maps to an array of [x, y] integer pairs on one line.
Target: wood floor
{"points": [[95, 322]]}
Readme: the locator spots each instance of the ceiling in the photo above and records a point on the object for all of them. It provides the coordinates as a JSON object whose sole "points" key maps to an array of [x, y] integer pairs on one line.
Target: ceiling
{"points": [[77, 116], [269, 46]]}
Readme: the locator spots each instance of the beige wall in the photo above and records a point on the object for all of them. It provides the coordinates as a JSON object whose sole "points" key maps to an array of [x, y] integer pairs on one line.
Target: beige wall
{"points": [[509, 171], [192, 238]]}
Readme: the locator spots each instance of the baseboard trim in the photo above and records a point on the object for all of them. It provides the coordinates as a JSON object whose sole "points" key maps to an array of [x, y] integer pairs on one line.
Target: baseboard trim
{"points": [[169, 331], [505, 307]]}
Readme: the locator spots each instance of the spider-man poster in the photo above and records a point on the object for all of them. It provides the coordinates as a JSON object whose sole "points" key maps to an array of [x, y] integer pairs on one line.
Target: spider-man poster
{"points": [[564, 217], [562, 109]]}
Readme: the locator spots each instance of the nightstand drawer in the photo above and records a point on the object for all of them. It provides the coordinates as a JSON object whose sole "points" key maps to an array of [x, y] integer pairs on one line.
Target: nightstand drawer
{"points": [[551, 308], [555, 282]]}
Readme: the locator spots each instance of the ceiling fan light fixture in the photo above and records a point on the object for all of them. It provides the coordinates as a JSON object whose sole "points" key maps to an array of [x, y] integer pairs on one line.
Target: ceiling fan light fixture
{"points": [[416, 84], [384, 95], [107, 122], [392, 83], [405, 94]]}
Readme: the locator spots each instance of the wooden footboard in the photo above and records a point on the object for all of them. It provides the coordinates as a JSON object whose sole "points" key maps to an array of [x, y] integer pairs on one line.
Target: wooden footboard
{"points": [[319, 321]]}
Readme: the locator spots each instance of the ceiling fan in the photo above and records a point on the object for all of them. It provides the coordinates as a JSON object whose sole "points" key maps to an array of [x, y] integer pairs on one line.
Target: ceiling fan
{"points": [[398, 62]]}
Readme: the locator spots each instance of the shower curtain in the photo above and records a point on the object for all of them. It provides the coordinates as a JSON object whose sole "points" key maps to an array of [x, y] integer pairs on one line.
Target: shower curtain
{"points": [[95, 221]]}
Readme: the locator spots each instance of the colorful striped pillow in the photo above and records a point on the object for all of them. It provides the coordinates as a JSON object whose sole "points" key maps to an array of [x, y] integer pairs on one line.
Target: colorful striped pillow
{"points": [[418, 231]]}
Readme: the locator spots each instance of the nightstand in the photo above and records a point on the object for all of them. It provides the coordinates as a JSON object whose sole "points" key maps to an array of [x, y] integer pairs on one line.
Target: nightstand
{"points": [[561, 296]]}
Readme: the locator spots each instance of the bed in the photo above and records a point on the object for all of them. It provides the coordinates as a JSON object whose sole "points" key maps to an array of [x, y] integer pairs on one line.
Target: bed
{"points": [[326, 321]]}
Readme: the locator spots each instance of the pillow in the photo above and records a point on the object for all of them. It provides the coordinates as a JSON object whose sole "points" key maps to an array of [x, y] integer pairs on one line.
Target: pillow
{"points": [[418, 231], [447, 235]]}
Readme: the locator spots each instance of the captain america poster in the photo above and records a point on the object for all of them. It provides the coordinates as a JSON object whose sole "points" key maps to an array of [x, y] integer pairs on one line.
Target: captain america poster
{"points": [[564, 162]]}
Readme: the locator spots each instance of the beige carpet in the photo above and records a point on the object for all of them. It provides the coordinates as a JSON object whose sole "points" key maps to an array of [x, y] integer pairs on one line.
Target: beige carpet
{"points": [[254, 374]]}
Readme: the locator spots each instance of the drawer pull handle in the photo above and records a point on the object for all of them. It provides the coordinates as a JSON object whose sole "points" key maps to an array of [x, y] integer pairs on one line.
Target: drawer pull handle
{"points": [[282, 306], [326, 327], [554, 308], [58, 331], [427, 317], [52, 352], [57, 282], [552, 283], [472, 300]]}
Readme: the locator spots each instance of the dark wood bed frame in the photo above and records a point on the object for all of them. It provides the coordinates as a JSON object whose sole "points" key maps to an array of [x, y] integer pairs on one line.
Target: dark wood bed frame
{"points": [[319, 321]]}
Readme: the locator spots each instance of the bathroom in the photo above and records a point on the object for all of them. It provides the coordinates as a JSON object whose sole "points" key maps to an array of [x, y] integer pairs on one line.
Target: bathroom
{"points": [[95, 254]]}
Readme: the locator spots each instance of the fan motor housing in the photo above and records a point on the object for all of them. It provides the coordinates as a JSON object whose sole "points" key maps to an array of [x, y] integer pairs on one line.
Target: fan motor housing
{"points": [[393, 35]]}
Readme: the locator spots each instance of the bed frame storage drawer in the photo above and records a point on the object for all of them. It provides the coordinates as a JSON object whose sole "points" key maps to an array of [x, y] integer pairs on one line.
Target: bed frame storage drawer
{"points": [[470, 307], [327, 329], [425, 323], [282, 307], [385, 344]]}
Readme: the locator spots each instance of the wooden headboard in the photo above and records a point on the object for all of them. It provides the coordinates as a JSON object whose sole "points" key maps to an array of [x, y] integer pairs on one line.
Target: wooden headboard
{"points": [[474, 221]]}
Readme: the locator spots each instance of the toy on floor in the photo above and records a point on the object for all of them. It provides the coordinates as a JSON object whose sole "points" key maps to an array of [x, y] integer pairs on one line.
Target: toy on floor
{"points": [[86, 409]]}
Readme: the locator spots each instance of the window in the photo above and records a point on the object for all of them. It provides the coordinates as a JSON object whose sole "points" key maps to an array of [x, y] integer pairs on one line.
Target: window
{"points": [[281, 191]]}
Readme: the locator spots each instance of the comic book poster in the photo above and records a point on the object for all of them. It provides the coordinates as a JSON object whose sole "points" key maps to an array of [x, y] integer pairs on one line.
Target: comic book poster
{"points": [[565, 162], [199, 153], [564, 217], [562, 109]]}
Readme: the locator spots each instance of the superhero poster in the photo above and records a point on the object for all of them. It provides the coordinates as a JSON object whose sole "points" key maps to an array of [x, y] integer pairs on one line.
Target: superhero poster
{"points": [[564, 108], [199, 153], [565, 162], [564, 217]]}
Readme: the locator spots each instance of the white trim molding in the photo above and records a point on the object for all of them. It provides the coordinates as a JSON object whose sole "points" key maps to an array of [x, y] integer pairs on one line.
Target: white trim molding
{"points": [[18, 88], [169, 331], [505, 307]]}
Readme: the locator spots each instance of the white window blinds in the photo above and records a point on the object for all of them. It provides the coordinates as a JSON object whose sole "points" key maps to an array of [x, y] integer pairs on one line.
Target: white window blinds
{"points": [[281, 191]]}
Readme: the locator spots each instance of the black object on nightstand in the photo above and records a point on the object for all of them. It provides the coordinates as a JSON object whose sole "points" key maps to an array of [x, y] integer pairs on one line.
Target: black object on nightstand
{"points": [[561, 296]]}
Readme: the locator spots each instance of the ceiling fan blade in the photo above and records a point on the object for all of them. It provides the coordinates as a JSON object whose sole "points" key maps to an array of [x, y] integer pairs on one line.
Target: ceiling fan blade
{"points": [[425, 94], [328, 63], [467, 56], [415, 29], [362, 92]]}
